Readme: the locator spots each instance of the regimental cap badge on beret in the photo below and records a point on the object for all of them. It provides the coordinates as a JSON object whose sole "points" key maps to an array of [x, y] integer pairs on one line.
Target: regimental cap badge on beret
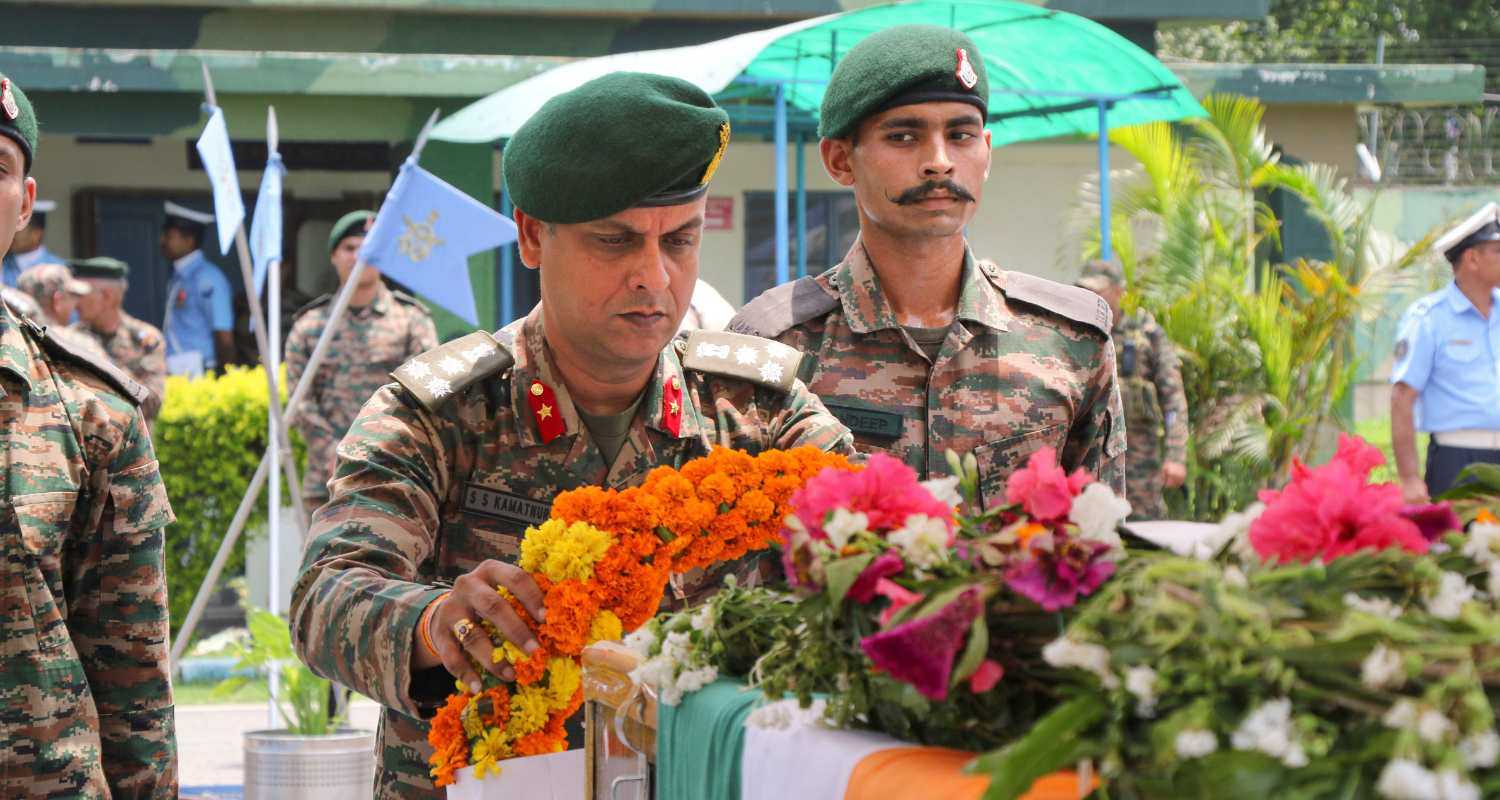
{"points": [[8, 100], [965, 70], [713, 164]]}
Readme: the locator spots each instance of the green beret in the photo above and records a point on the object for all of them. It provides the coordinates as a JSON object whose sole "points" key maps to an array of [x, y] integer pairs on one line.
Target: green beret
{"points": [[17, 120], [351, 224], [101, 267], [898, 67], [623, 140]]}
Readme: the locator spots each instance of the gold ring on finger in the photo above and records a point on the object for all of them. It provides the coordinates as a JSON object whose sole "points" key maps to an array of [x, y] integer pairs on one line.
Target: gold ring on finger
{"points": [[462, 629]]}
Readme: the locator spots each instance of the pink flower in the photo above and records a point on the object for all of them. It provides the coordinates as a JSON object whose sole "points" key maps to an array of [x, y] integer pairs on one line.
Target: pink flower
{"points": [[1042, 489], [984, 679], [1331, 511], [921, 651], [886, 491], [1055, 577], [1433, 519], [886, 565], [900, 598]]}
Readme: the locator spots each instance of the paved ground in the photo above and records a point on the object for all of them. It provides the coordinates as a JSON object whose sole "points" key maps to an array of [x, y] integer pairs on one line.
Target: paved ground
{"points": [[210, 744]]}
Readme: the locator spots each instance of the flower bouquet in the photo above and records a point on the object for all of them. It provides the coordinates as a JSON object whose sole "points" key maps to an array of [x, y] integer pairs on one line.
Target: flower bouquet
{"points": [[905, 615], [1343, 646], [603, 560]]}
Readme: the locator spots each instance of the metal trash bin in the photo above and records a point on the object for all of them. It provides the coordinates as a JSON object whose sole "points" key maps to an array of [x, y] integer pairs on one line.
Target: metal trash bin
{"points": [[284, 766]]}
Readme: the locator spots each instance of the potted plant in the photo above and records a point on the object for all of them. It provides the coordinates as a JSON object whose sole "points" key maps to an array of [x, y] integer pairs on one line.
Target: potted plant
{"points": [[314, 756]]}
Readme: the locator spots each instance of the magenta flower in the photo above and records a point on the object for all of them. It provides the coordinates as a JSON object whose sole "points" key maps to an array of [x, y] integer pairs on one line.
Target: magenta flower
{"points": [[886, 491], [984, 679], [1042, 489], [921, 651], [1433, 519], [900, 598], [886, 565], [1055, 578]]}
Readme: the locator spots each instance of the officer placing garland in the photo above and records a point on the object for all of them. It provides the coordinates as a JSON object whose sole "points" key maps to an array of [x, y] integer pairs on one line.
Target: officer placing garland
{"points": [[85, 699], [443, 470], [919, 345]]}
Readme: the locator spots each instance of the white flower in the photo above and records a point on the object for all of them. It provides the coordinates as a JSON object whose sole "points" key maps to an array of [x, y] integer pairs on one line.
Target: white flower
{"points": [[1269, 729], [703, 618], [1141, 682], [842, 526], [1064, 652], [642, 641], [1382, 669], [1482, 543], [923, 540], [1481, 750], [944, 489], [1235, 529], [1453, 591], [1234, 576], [1402, 715], [1097, 512], [1195, 743], [1380, 606], [1404, 779], [1494, 582], [1453, 786], [785, 715], [1433, 727]]}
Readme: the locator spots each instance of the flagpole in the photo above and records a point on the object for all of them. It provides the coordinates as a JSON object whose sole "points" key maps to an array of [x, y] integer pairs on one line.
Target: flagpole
{"points": [[287, 413], [272, 359]]}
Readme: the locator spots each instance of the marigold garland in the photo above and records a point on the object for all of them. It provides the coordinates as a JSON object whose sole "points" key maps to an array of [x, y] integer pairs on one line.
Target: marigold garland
{"points": [[602, 561]]}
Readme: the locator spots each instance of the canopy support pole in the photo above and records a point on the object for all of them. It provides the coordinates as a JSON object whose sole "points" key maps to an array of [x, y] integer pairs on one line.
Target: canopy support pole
{"points": [[783, 257], [1105, 251], [801, 204]]}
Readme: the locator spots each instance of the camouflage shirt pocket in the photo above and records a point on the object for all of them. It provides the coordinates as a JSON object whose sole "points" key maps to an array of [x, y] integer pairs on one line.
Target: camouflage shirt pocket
{"points": [[44, 520], [997, 460], [139, 499]]}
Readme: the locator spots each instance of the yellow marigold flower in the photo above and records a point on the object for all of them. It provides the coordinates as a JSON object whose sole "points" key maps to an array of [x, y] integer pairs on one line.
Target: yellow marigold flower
{"points": [[508, 653], [473, 726], [606, 627], [488, 752], [529, 709], [561, 551], [564, 676]]}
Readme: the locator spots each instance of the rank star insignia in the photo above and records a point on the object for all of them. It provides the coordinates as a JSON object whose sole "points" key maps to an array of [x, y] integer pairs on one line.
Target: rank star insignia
{"points": [[746, 355], [8, 100], [438, 388], [545, 412], [674, 407], [770, 372], [965, 70], [417, 370], [420, 237], [450, 366]]}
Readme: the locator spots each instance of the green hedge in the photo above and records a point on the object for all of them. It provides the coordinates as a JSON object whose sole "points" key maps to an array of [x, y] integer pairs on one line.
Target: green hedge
{"points": [[209, 438]]}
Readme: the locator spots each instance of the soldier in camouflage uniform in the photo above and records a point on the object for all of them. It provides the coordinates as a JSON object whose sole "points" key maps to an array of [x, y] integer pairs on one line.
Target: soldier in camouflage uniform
{"points": [[85, 700], [56, 293], [916, 344], [442, 472], [1156, 415], [135, 346], [379, 331]]}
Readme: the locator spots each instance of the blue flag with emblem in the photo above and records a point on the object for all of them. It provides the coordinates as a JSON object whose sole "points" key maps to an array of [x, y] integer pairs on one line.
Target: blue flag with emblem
{"points": [[218, 162], [425, 233], [265, 228]]}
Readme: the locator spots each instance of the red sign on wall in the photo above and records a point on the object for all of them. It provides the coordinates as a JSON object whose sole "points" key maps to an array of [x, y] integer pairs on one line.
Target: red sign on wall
{"points": [[719, 214]]}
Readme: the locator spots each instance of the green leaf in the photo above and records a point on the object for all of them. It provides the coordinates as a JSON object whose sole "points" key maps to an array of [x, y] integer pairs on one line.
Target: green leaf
{"points": [[974, 652], [1054, 742], [843, 573]]}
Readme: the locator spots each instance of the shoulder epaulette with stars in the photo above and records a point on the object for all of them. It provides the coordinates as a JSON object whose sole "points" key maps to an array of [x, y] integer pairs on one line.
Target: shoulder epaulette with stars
{"points": [[446, 370], [762, 361]]}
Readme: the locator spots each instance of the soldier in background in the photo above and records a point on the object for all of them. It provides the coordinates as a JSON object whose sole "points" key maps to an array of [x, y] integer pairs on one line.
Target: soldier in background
{"points": [[380, 330], [1156, 415], [57, 294], [442, 472], [133, 345], [84, 681], [199, 325], [29, 247], [918, 345]]}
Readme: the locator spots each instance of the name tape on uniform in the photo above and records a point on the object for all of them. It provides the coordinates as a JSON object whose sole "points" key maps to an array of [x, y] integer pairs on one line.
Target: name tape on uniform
{"points": [[488, 502]]}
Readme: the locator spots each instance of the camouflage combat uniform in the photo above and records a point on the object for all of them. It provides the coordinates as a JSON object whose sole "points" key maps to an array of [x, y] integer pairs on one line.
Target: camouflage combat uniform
{"points": [[137, 348], [1027, 363], [85, 699], [1155, 410], [448, 469], [370, 343]]}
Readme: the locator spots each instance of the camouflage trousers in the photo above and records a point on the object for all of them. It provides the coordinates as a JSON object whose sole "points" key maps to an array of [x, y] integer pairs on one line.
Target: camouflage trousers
{"points": [[1143, 486]]}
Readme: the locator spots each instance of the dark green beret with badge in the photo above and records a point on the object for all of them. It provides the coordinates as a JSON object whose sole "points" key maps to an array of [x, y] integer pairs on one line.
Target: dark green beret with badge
{"points": [[623, 140], [100, 268], [901, 66], [351, 224], [17, 120]]}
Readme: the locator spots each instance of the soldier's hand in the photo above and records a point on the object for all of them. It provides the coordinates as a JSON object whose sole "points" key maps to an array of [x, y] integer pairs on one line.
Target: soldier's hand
{"points": [[1414, 491], [1173, 474], [474, 599]]}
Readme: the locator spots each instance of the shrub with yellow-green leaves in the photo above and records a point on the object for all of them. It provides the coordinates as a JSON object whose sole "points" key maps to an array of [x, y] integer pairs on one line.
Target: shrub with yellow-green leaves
{"points": [[210, 437]]}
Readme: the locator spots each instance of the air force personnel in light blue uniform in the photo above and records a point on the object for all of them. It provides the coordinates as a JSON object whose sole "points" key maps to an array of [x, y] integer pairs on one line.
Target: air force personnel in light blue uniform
{"points": [[199, 323], [1447, 364]]}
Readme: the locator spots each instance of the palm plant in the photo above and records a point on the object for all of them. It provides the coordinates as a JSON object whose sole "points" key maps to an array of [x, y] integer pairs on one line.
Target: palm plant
{"points": [[1267, 349]]}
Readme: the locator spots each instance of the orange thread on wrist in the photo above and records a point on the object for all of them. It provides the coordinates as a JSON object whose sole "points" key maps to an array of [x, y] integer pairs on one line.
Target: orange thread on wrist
{"points": [[425, 623]]}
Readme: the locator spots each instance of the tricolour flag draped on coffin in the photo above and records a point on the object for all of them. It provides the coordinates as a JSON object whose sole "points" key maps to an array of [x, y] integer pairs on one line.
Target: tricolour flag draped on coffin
{"points": [[425, 233], [265, 227], [218, 162]]}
